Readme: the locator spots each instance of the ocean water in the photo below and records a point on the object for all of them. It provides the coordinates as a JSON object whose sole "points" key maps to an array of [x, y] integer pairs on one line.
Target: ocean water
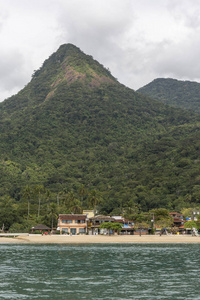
{"points": [[116, 271]]}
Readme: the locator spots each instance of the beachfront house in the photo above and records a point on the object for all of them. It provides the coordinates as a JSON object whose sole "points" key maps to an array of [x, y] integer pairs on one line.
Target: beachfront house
{"points": [[72, 224], [95, 222], [177, 219], [127, 226]]}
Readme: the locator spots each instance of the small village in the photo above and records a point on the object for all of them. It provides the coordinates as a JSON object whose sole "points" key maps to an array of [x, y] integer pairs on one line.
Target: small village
{"points": [[91, 224]]}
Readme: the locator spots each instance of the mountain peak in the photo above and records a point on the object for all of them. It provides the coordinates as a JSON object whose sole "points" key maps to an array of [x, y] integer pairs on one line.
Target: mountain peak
{"points": [[66, 50], [63, 69], [68, 65]]}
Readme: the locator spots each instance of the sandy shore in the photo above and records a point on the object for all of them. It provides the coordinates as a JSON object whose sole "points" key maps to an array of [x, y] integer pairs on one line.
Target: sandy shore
{"points": [[88, 239]]}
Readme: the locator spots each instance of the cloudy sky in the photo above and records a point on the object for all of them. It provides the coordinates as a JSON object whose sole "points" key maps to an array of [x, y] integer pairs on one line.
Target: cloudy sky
{"points": [[138, 40]]}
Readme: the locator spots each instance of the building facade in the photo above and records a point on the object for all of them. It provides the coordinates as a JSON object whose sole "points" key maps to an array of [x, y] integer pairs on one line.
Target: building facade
{"points": [[177, 219], [72, 224], [95, 222]]}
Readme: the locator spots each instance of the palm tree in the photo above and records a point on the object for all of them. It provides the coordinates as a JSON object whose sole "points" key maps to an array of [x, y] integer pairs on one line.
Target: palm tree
{"points": [[76, 206], [39, 190], [82, 193], [58, 198], [94, 199], [26, 193], [52, 213]]}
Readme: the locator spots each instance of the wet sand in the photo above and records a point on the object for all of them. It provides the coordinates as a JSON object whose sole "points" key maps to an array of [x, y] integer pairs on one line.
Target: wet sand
{"points": [[98, 239]]}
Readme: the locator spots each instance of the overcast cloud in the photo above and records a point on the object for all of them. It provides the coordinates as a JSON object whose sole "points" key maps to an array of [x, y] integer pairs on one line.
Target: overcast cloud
{"points": [[137, 40]]}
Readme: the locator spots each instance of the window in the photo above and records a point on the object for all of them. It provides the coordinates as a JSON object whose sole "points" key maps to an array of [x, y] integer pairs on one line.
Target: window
{"points": [[80, 221], [81, 230], [65, 230], [66, 221]]}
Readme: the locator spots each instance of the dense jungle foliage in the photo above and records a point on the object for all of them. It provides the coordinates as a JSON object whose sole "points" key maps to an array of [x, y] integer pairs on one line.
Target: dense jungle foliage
{"points": [[75, 138], [177, 93]]}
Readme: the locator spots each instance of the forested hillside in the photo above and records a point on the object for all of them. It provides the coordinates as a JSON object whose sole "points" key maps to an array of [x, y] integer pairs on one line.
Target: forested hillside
{"points": [[177, 93], [76, 138]]}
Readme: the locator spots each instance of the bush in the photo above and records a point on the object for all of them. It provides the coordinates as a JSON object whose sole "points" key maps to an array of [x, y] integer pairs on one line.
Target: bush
{"points": [[16, 227], [37, 232]]}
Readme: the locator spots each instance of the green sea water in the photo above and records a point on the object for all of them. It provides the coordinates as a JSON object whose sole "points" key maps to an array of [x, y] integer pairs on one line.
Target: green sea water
{"points": [[116, 271]]}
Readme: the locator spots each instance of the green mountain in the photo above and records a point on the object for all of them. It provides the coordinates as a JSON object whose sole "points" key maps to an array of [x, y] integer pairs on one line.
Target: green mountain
{"points": [[183, 94], [76, 138]]}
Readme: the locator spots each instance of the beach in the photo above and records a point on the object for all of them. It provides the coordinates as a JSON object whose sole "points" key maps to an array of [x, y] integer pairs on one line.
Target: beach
{"points": [[99, 239]]}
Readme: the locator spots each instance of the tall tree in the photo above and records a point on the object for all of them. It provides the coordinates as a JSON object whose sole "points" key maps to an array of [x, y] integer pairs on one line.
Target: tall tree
{"points": [[94, 199], [26, 194], [39, 191], [52, 215]]}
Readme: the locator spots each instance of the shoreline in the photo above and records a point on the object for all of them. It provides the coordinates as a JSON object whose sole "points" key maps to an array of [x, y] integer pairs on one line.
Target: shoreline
{"points": [[101, 239]]}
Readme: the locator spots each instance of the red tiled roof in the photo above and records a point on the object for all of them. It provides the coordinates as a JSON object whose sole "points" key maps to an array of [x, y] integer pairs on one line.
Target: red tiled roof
{"points": [[72, 217], [176, 214], [181, 227]]}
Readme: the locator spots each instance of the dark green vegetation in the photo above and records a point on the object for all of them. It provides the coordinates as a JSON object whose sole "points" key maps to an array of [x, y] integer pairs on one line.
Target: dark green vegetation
{"points": [[75, 138], [183, 94]]}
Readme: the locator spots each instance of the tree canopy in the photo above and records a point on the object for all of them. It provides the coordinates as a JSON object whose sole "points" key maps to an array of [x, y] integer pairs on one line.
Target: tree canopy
{"points": [[77, 138]]}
